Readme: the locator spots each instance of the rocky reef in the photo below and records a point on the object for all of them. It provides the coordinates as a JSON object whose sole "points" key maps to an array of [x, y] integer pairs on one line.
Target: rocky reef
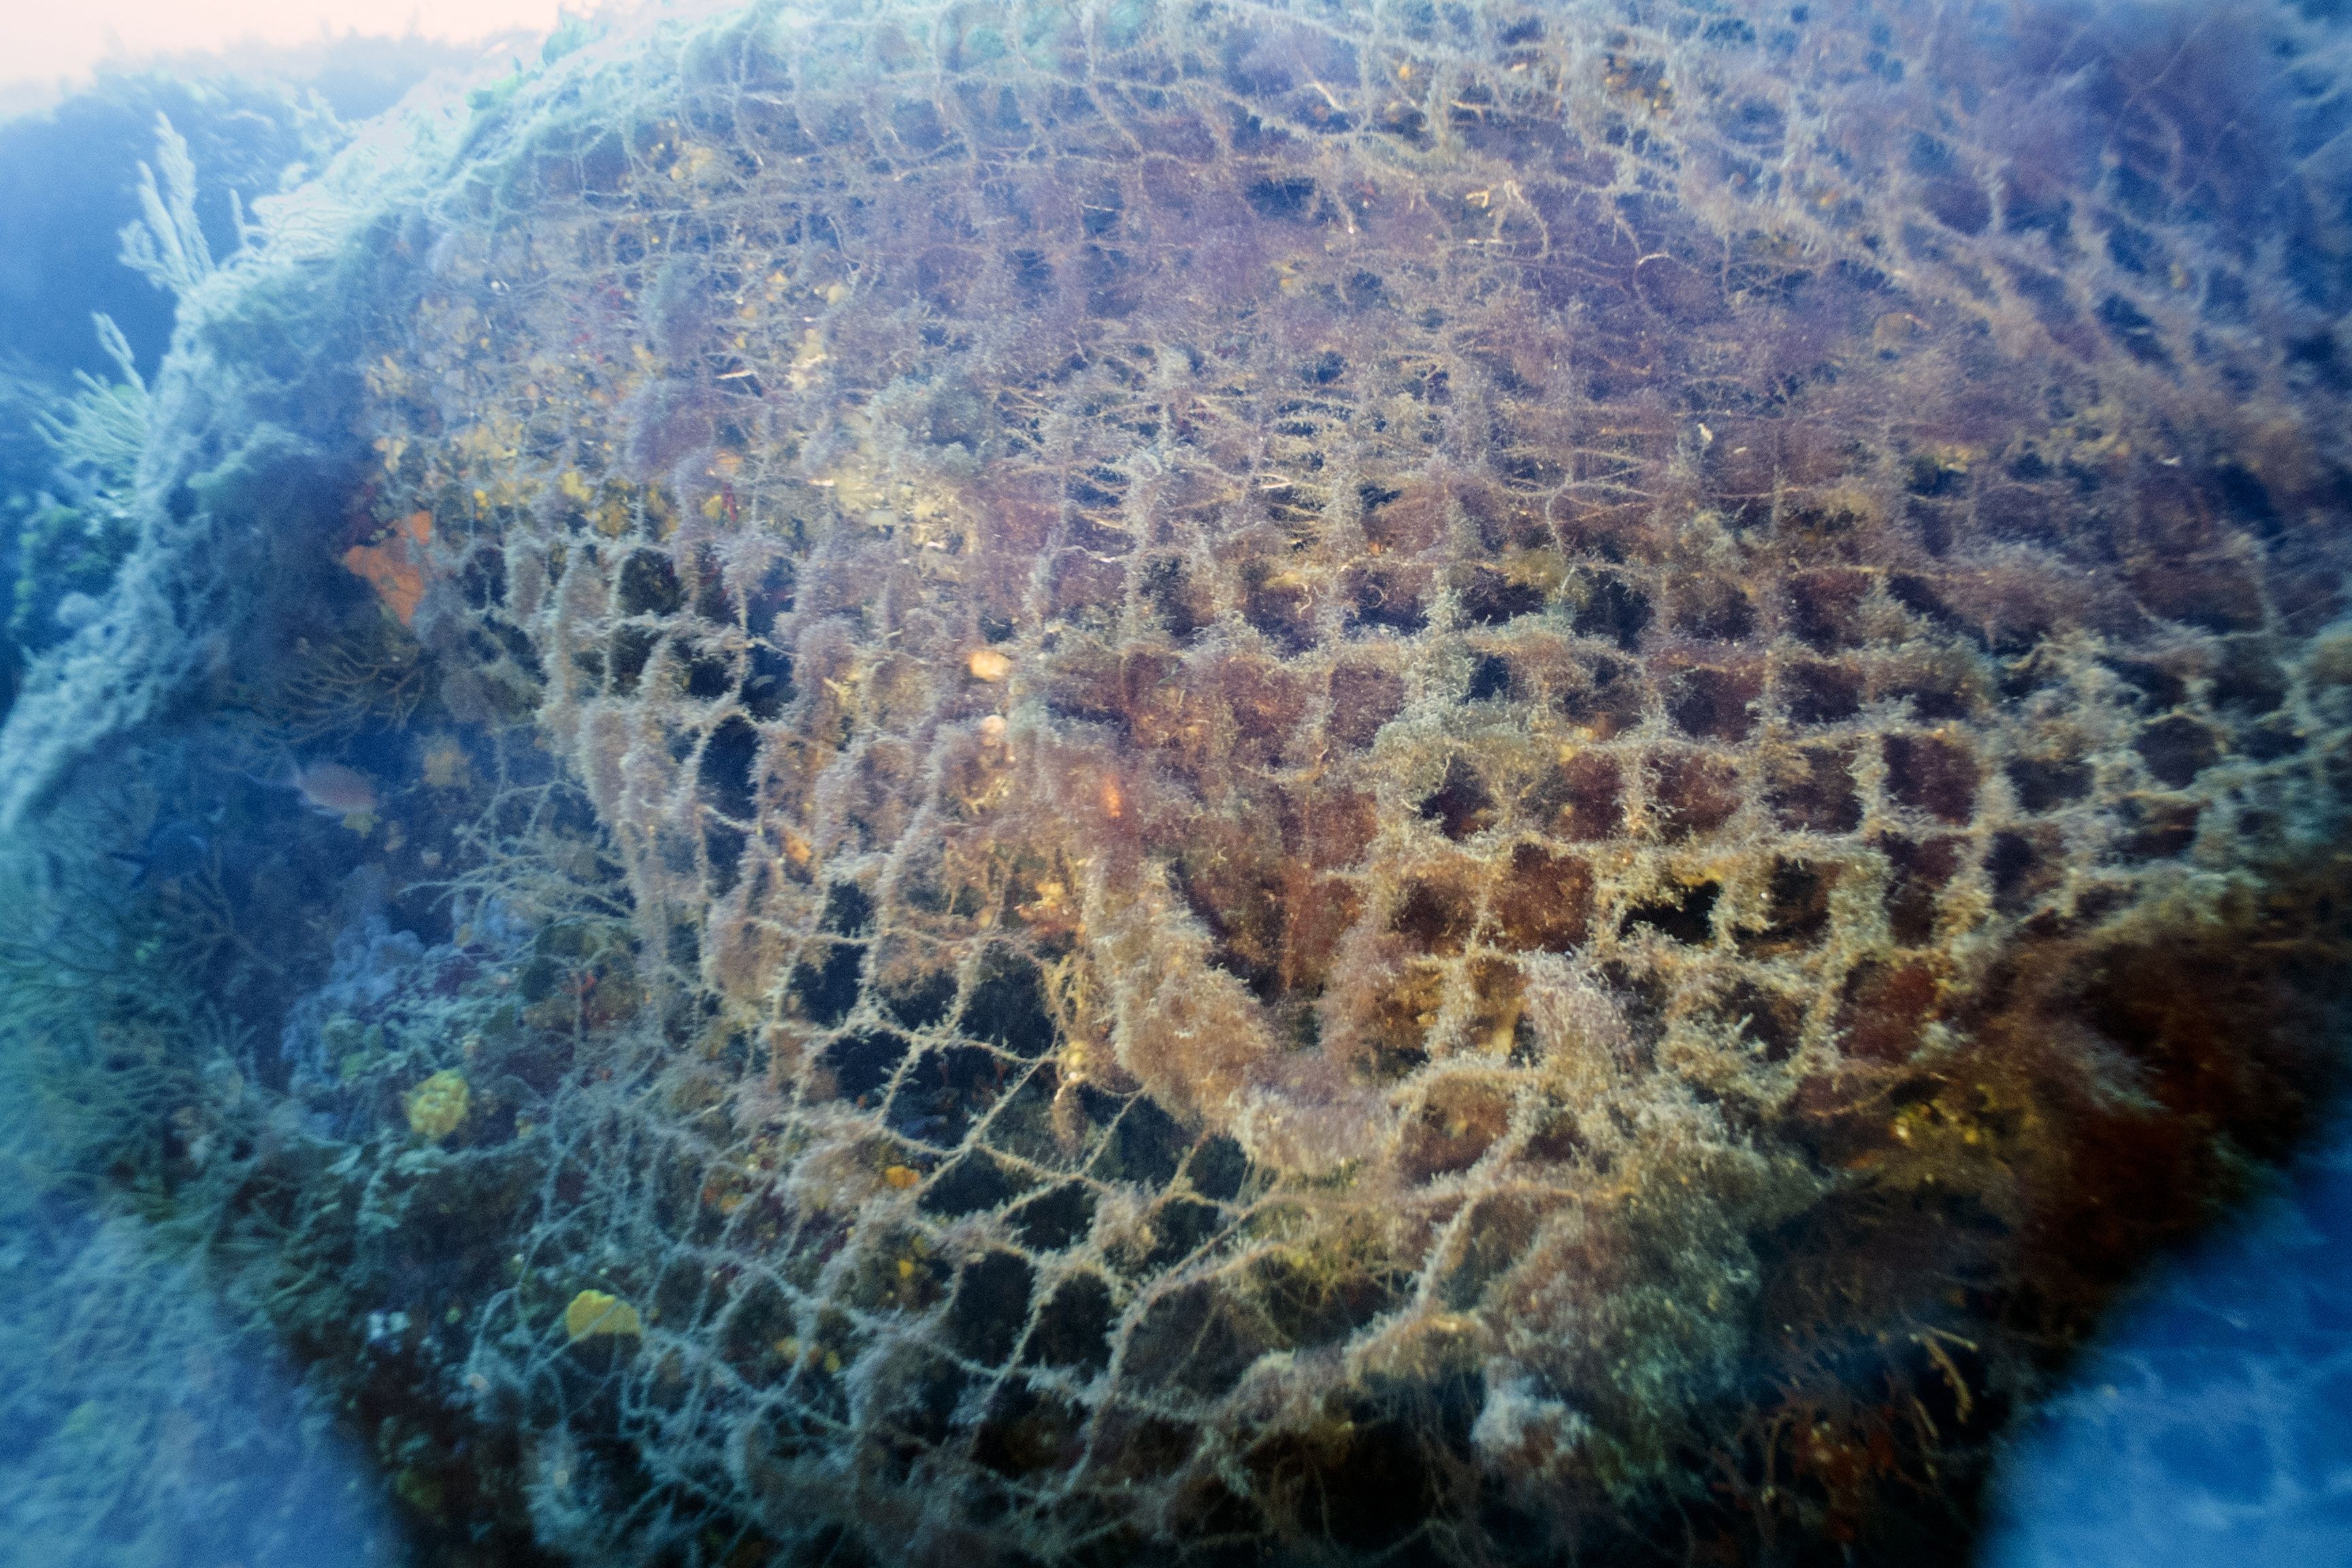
{"points": [[1234, 783]]}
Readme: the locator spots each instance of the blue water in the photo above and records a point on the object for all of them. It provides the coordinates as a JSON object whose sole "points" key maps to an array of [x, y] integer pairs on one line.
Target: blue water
{"points": [[2214, 1428]]}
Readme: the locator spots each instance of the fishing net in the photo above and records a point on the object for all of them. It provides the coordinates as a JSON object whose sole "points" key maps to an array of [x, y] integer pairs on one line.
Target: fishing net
{"points": [[1371, 778]]}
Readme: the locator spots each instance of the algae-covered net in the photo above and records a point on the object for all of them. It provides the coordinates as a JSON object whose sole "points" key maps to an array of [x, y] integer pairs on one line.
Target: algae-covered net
{"points": [[1279, 783]]}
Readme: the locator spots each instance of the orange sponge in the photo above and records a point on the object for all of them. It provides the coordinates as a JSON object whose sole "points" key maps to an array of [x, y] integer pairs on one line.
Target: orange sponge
{"points": [[395, 568]]}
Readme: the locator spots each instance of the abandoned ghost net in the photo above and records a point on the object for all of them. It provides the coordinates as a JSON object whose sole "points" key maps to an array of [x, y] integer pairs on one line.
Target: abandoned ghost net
{"points": [[1504, 781]]}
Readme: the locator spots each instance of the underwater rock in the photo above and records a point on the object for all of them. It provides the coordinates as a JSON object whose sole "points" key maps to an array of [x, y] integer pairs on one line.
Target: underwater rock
{"points": [[1430, 780]]}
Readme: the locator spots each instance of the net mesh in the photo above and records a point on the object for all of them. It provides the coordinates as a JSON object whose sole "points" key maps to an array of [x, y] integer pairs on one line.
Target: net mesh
{"points": [[1383, 771]]}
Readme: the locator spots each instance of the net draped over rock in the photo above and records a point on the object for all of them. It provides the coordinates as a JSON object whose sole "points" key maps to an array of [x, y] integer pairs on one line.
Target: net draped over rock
{"points": [[1387, 771]]}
